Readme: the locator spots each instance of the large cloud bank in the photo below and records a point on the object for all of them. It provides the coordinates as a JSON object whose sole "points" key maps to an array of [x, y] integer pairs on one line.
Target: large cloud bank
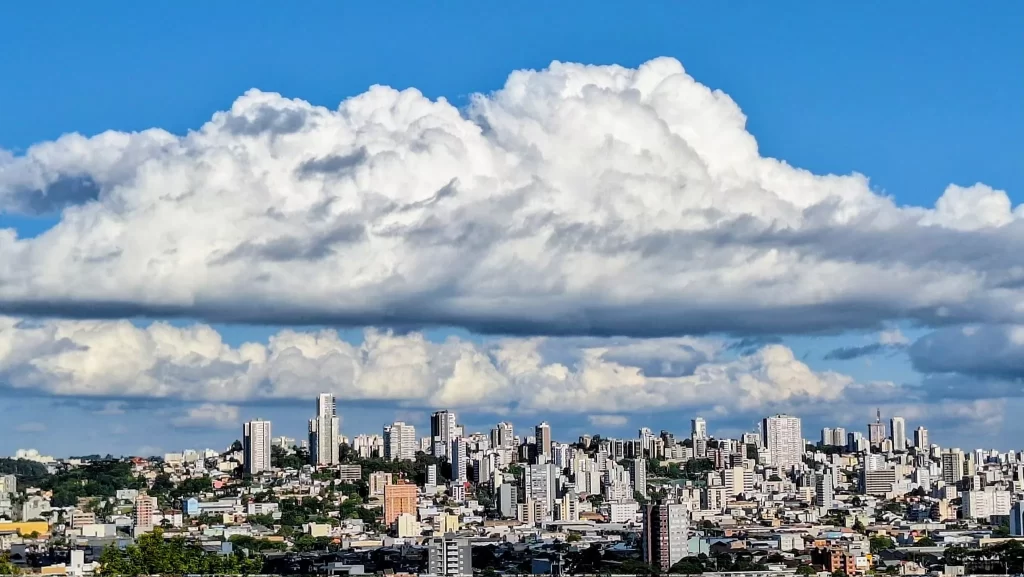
{"points": [[575, 200], [115, 359]]}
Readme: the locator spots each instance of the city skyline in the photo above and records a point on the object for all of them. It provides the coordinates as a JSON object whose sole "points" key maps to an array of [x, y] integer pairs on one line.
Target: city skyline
{"points": [[603, 235], [782, 436]]}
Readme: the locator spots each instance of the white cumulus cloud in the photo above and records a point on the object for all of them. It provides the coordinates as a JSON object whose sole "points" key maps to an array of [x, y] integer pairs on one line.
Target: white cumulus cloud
{"points": [[118, 359], [208, 416], [608, 420], [575, 200]]}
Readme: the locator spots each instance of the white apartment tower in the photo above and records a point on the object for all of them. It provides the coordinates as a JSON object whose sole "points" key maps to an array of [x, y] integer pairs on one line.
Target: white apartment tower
{"points": [[921, 438], [502, 436], [783, 439], [824, 491], [898, 428], [323, 432], [839, 437], [400, 442], [256, 445], [698, 429]]}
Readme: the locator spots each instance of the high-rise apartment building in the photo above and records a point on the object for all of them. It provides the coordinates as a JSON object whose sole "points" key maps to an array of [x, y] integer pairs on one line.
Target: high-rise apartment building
{"points": [[1017, 519], [983, 504], [952, 461], [698, 429], [323, 433], [502, 436], [540, 485], [877, 482], [876, 430], [839, 437], [400, 442], [921, 438], [783, 439], [142, 515], [826, 437], [450, 556], [442, 431], [664, 539], [256, 441], [399, 498], [898, 428], [824, 491], [543, 439], [638, 474], [458, 455]]}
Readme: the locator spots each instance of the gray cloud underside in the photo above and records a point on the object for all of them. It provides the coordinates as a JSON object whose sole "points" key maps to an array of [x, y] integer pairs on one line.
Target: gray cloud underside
{"points": [[577, 200]]}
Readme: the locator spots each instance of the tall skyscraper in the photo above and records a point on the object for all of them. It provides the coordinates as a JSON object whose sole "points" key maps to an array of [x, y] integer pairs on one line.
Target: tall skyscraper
{"points": [[826, 437], [698, 429], [921, 438], [543, 437], [876, 430], [898, 428], [442, 431], [323, 433], [783, 438], [1017, 519], [400, 442], [541, 485], [824, 492], [952, 461], [256, 445], [839, 436], [502, 436], [459, 458], [638, 474], [664, 539]]}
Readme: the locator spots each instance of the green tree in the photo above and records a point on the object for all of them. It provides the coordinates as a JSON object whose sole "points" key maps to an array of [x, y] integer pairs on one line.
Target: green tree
{"points": [[687, 566], [881, 543], [925, 541], [6, 567], [805, 570]]}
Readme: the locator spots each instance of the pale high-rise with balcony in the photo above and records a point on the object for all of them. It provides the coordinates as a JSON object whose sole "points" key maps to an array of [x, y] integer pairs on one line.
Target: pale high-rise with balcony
{"points": [[256, 440], [400, 442], [323, 433], [783, 440], [921, 438], [898, 428], [698, 429]]}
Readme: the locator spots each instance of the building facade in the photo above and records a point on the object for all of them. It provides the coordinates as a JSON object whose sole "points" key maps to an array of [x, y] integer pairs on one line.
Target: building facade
{"points": [[783, 438], [400, 442], [256, 439], [450, 556], [323, 433], [664, 539]]}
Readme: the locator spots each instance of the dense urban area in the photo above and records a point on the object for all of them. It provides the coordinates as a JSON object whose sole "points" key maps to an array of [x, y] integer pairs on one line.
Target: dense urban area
{"points": [[455, 502]]}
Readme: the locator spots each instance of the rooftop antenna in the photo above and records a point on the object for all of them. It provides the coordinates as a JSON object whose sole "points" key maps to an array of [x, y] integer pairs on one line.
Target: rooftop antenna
{"points": [[878, 415]]}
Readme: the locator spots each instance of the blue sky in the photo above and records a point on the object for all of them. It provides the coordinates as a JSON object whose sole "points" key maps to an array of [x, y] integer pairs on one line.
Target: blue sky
{"points": [[915, 97]]}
